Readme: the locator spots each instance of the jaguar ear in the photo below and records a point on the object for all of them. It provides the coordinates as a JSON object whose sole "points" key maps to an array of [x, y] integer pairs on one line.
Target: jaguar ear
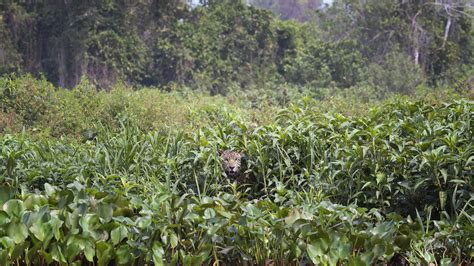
{"points": [[242, 155]]}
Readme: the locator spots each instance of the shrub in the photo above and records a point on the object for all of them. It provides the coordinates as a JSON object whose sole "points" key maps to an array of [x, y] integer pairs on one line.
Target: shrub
{"points": [[28, 98]]}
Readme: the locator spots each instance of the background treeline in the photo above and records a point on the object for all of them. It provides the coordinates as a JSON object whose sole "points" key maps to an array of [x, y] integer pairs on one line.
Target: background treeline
{"points": [[229, 45], [300, 10]]}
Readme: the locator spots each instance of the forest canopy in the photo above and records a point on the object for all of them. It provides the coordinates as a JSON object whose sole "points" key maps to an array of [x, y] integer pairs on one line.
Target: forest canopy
{"points": [[391, 45]]}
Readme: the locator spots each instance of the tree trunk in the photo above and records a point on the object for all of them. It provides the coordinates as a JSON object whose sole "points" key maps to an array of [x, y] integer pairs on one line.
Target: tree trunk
{"points": [[417, 36], [447, 7]]}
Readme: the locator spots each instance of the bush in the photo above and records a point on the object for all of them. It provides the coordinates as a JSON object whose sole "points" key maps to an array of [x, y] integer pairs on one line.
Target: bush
{"points": [[28, 98], [38, 107]]}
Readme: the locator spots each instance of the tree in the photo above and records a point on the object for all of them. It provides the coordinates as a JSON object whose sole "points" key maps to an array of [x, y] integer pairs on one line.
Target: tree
{"points": [[437, 35]]}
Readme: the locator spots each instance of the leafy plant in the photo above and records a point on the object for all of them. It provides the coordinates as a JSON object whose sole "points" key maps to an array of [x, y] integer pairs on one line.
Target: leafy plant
{"points": [[326, 189]]}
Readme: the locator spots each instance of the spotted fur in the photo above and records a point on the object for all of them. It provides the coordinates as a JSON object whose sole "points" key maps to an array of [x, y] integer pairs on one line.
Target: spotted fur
{"points": [[232, 163]]}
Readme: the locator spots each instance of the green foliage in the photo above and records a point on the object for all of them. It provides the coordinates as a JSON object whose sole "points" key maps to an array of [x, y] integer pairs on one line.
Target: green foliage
{"points": [[28, 98], [222, 43], [396, 73], [328, 189], [109, 54], [223, 46], [438, 37], [9, 57], [36, 106], [82, 112], [123, 176], [321, 64]]}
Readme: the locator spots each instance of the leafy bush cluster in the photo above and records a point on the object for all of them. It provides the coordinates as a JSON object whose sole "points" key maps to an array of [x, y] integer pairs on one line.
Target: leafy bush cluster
{"points": [[82, 112], [39, 107], [394, 185]]}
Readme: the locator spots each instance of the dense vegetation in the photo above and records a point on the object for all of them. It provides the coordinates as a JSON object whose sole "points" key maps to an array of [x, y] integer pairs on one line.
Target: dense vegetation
{"points": [[226, 45], [43, 110], [334, 190], [356, 120], [128, 186]]}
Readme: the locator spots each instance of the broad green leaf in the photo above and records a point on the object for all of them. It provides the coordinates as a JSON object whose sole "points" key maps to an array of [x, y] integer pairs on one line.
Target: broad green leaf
{"points": [[445, 262], [19, 250], [57, 254], [65, 198], [197, 260], [13, 207], [252, 210], [50, 190], [209, 214], [72, 220], [173, 240], [104, 253], [213, 230], [89, 251], [72, 251], [34, 202], [40, 229], [4, 258], [4, 218], [88, 222], [186, 258], [105, 212], [293, 216], [123, 255], [18, 232], [313, 253], [8, 244], [31, 256], [226, 214], [322, 243], [378, 250], [118, 234], [158, 253], [56, 225], [175, 258], [357, 261], [143, 222]]}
